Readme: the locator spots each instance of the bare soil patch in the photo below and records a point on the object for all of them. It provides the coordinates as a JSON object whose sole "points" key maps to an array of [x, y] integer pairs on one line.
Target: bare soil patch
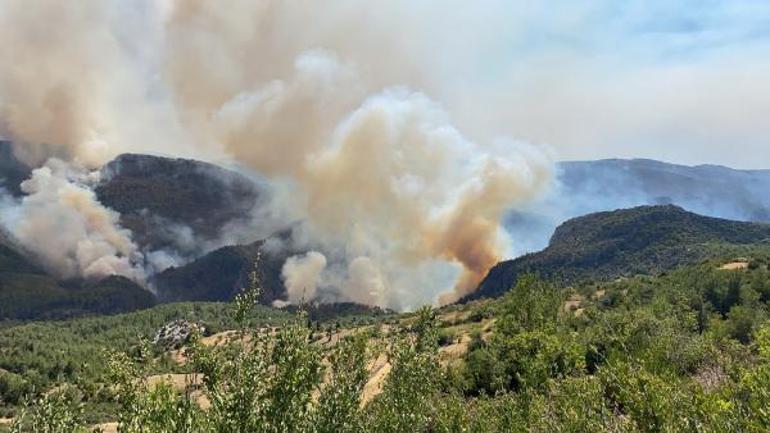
{"points": [[735, 266]]}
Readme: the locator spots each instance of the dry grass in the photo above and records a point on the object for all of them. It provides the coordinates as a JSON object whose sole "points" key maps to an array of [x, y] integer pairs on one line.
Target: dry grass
{"points": [[735, 266], [711, 377], [109, 427], [379, 367], [379, 370], [453, 353]]}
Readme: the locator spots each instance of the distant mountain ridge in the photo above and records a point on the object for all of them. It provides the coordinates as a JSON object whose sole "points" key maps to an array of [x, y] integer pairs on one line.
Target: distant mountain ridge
{"points": [[167, 201], [712, 190], [221, 274], [153, 193], [584, 187], [608, 245]]}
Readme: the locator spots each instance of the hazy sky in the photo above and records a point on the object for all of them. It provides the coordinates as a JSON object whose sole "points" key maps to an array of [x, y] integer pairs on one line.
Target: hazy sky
{"points": [[686, 81], [678, 80], [398, 131]]}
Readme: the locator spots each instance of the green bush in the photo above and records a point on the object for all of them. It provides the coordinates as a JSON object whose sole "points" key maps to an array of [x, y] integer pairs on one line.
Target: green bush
{"points": [[659, 358]]}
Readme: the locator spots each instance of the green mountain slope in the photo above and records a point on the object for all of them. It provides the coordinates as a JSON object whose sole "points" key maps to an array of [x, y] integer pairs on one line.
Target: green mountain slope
{"points": [[28, 292], [221, 274], [152, 193], [641, 240], [25, 296]]}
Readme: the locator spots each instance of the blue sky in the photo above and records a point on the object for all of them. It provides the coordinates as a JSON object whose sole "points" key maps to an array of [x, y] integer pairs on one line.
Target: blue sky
{"points": [[654, 30]]}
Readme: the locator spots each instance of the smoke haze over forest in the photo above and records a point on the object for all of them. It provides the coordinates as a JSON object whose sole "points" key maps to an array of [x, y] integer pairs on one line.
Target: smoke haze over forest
{"points": [[392, 144]]}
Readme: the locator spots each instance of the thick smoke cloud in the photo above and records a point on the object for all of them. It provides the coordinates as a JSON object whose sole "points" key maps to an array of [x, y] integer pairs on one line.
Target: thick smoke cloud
{"points": [[376, 123], [312, 95], [61, 222], [302, 276], [77, 81]]}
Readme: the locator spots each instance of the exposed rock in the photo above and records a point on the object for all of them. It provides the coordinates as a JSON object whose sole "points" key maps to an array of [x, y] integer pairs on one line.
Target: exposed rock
{"points": [[176, 334]]}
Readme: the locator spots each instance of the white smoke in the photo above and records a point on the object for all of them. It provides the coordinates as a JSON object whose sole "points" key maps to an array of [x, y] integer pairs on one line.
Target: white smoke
{"points": [[366, 284], [302, 276], [60, 221], [312, 95], [77, 77]]}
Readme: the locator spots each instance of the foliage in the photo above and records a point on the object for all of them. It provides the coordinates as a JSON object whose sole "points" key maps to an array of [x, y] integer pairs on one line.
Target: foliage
{"points": [[685, 351], [37, 356], [52, 413], [643, 240]]}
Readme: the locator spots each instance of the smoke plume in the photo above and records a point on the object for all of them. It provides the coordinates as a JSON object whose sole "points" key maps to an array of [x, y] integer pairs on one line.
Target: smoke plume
{"points": [[347, 124], [302, 275], [60, 221]]}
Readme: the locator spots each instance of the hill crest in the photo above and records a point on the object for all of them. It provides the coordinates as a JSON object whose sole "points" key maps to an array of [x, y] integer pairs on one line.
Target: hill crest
{"points": [[608, 245]]}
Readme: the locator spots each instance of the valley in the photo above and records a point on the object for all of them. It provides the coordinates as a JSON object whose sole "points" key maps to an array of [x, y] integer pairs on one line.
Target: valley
{"points": [[384, 216], [182, 215], [641, 288]]}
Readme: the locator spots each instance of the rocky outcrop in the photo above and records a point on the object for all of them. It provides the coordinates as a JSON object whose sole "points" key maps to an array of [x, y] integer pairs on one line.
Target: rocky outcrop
{"points": [[176, 334]]}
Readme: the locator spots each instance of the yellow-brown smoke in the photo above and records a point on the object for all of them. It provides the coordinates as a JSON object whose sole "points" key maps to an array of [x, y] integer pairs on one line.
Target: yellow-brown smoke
{"points": [[315, 94]]}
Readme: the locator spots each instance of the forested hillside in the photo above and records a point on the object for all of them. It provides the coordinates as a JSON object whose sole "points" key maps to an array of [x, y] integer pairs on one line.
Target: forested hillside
{"points": [[642, 240], [28, 292], [685, 351], [159, 198]]}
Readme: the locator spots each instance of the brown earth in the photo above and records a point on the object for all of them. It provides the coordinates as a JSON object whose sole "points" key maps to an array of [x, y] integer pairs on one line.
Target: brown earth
{"points": [[735, 266], [379, 368], [109, 427]]}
